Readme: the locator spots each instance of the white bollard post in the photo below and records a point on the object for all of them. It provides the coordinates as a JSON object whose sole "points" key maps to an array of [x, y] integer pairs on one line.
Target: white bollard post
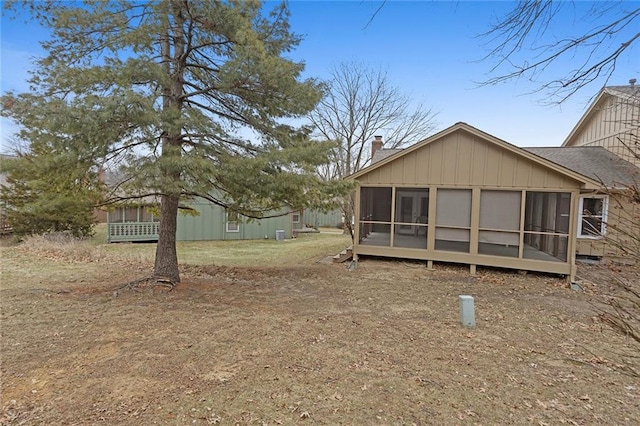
{"points": [[467, 311]]}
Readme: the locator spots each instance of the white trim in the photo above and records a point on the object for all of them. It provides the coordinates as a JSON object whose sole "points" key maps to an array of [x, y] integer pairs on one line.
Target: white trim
{"points": [[603, 217], [293, 217], [232, 225]]}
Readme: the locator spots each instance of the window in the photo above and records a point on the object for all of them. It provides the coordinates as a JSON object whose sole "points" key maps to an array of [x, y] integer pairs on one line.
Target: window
{"points": [[147, 215], [375, 216], [546, 225], [499, 223], [409, 227], [295, 217], [233, 222], [411, 217], [117, 215], [592, 216], [453, 219], [131, 214]]}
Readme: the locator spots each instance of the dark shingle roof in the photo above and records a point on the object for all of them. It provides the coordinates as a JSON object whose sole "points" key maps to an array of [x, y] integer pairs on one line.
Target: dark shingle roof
{"points": [[593, 161], [381, 154], [624, 91]]}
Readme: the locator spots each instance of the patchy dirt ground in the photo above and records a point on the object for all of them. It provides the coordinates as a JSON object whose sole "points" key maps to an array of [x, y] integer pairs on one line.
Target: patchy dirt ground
{"points": [[307, 344]]}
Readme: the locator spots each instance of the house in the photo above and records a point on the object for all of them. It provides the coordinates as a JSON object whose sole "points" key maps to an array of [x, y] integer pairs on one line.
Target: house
{"points": [[607, 219], [202, 221], [465, 196], [313, 218], [612, 122]]}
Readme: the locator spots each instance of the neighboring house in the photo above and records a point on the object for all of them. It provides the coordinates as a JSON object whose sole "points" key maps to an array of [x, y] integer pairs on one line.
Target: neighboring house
{"points": [[312, 218], [205, 221], [465, 196], [611, 121]]}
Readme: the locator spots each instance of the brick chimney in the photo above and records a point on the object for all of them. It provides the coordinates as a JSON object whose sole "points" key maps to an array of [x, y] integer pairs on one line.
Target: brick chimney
{"points": [[376, 145]]}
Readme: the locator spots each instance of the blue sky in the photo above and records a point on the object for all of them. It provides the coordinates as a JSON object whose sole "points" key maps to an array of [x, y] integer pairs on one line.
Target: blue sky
{"points": [[428, 48]]}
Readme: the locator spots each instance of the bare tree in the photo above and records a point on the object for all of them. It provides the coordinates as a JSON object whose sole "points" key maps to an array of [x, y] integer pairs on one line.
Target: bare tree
{"points": [[360, 102], [530, 42], [617, 282], [623, 312], [521, 47], [531, 39], [619, 306]]}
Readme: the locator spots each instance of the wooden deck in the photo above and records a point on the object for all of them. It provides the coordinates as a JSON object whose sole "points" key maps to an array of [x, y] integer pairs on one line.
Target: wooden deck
{"points": [[134, 231]]}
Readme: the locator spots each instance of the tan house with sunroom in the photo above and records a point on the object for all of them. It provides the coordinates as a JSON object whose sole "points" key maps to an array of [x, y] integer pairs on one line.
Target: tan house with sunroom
{"points": [[465, 196]]}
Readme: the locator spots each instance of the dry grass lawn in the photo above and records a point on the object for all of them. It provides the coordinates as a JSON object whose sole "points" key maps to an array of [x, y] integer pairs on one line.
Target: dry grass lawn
{"points": [[281, 338]]}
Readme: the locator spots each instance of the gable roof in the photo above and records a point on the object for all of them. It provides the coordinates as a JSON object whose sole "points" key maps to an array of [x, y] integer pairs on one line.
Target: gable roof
{"points": [[589, 182], [628, 93], [595, 162]]}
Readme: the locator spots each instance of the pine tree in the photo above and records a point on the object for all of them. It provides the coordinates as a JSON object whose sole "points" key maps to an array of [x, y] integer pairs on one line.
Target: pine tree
{"points": [[169, 89], [46, 194]]}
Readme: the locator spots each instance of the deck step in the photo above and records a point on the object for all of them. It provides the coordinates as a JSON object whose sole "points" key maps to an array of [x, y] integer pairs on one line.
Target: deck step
{"points": [[344, 255]]}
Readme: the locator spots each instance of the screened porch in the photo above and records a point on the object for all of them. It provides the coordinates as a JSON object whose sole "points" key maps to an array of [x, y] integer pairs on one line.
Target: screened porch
{"points": [[476, 226], [132, 223]]}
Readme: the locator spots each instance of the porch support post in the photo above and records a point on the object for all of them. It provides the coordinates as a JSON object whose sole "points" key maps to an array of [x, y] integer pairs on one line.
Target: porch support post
{"points": [[431, 226], [523, 207], [356, 221], [573, 235], [475, 223], [393, 216], [474, 231]]}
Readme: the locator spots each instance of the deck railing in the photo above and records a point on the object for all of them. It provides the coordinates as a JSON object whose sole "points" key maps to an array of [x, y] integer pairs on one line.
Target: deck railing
{"points": [[133, 231], [5, 227]]}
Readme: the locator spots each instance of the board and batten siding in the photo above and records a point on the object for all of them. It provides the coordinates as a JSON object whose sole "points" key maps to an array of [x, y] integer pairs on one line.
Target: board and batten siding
{"points": [[464, 159], [608, 120], [210, 224]]}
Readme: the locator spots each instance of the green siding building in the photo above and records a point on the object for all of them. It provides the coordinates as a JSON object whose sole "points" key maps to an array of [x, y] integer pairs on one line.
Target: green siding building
{"points": [[212, 222]]}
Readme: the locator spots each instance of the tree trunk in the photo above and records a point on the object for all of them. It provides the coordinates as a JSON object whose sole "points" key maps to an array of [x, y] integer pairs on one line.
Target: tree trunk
{"points": [[166, 264]]}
